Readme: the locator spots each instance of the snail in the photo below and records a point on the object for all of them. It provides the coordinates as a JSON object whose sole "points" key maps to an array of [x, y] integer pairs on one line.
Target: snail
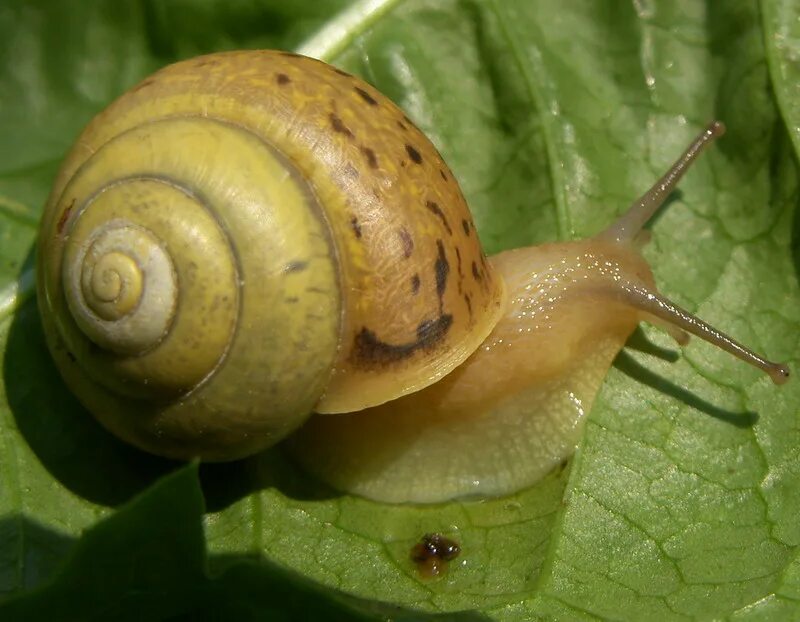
{"points": [[245, 238]]}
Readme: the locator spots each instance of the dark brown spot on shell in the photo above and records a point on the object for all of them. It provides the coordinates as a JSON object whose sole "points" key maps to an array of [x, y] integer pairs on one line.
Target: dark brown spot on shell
{"points": [[407, 241], [366, 96], [292, 300], [414, 154], [415, 282], [370, 351], [468, 300], [292, 55], [443, 174], [338, 125], [282, 79], [437, 211], [356, 227], [441, 268], [465, 224], [475, 272], [342, 73], [431, 331], [369, 154], [402, 126], [460, 271], [62, 221], [295, 266]]}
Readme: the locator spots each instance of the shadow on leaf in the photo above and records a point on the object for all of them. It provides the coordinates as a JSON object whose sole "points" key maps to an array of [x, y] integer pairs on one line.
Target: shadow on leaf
{"points": [[70, 444], [148, 561], [40, 552], [638, 341], [630, 367], [94, 464], [226, 483]]}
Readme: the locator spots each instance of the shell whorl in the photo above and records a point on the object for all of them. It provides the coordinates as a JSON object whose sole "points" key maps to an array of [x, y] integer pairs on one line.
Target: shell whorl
{"points": [[121, 288], [168, 261], [151, 278]]}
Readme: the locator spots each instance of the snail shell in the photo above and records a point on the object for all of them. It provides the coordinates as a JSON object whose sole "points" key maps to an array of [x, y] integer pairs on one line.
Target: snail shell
{"points": [[246, 237]]}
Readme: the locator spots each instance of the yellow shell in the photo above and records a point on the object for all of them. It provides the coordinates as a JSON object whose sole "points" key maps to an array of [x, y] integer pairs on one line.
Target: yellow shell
{"points": [[246, 237]]}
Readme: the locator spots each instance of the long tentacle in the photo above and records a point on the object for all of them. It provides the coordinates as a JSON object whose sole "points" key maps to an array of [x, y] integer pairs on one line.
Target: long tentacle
{"points": [[628, 226]]}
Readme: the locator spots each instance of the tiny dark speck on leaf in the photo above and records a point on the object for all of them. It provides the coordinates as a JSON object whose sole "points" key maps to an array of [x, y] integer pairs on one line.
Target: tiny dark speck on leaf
{"points": [[432, 553]]}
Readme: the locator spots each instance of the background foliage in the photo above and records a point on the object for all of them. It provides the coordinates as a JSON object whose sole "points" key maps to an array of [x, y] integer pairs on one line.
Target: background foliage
{"points": [[681, 502]]}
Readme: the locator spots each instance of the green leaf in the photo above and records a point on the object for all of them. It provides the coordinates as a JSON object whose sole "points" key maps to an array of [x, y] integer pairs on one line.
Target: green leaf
{"points": [[682, 499], [148, 562], [129, 562]]}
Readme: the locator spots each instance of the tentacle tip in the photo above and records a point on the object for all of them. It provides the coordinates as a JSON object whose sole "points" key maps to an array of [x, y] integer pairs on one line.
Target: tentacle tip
{"points": [[716, 128], [779, 373]]}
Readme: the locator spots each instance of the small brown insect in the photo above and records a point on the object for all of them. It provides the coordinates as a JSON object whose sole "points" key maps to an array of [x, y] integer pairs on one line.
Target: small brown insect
{"points": [[432, 553]]}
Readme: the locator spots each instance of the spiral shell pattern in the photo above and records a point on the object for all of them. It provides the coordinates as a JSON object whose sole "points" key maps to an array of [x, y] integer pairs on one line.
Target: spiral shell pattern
{"points": [[144, 260]]}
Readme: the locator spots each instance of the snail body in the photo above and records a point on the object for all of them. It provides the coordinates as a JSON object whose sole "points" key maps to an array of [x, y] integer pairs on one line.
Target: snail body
{"points": [[248, 237], [512, 411]]}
